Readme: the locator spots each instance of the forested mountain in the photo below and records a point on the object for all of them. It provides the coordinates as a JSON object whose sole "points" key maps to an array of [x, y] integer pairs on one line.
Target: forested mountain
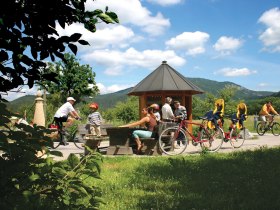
{"points": [[209, 86]]}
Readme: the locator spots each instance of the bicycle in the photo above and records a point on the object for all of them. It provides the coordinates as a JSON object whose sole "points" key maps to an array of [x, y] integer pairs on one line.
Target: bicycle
{"points": [[174, 141], [237, 131], [63, 137], [263, 127]]}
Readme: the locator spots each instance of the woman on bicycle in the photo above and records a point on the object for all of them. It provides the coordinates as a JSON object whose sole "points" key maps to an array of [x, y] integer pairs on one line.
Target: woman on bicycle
{"points": [[265, 112]]}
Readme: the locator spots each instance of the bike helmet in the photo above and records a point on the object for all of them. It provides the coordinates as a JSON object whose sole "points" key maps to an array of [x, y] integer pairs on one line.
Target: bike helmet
{"points": [[93, 106], [155, 106]]}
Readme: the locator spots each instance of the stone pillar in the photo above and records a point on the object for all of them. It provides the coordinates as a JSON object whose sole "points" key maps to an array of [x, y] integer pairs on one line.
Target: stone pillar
{"points": [[39, 116]]}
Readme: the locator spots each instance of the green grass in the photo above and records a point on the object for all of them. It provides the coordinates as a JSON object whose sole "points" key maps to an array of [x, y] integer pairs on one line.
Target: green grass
{"points": [[240, 180]]}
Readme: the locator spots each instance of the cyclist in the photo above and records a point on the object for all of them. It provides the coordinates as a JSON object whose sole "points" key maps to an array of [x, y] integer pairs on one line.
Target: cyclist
{"points": [[265, 113], [63, 112]]}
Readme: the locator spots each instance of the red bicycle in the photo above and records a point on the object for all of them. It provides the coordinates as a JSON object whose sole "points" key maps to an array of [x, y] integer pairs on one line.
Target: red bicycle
{"points": [[174, 140], [236, 134]]}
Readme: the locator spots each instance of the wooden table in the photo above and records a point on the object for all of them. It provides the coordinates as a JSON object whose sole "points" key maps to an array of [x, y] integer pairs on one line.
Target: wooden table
{"points": [[119, 143]]}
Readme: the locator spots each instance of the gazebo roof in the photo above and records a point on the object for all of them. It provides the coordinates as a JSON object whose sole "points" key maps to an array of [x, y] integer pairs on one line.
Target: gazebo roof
{"points": [[165, 78]]}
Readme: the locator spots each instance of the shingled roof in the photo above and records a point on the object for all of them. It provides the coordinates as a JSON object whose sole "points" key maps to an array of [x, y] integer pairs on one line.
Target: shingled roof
{"points": [[165, 78]]}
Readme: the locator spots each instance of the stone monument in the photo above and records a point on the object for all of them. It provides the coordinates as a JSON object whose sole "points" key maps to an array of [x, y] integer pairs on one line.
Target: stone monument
{"points": [[39, 115]]}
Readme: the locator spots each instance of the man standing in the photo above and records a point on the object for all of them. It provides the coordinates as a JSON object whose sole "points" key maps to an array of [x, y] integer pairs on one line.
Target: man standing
{"points": [[180, 111], [166, 110]]}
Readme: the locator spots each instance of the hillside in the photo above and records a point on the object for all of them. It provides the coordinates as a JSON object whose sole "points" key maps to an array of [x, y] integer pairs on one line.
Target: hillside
{"points": [[209, 86]]}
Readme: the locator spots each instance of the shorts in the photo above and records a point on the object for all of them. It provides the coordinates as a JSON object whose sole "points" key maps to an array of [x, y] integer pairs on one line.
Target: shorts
{"points": [[142, 134], [262, 118], [60, 120]]}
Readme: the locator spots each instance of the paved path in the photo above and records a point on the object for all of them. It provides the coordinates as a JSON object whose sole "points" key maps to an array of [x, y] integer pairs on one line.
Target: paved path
{"points": [[259, 141]]}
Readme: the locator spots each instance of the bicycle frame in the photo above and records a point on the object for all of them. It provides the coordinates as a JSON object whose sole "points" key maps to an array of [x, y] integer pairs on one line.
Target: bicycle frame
{"points": [[184, 125]]}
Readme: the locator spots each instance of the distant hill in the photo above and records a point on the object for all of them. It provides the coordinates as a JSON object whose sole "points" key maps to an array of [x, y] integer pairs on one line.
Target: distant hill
{"points": [[213, 87], [209, 86]]}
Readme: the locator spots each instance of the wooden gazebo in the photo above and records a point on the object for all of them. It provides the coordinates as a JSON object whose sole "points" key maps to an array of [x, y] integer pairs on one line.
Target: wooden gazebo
{"points": [[165, 82]]}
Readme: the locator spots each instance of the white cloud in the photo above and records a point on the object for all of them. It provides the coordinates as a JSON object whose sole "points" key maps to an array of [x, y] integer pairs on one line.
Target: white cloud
{"points": [[192, 42], [112, 36], [112, 88], [165, 2], [132, 12], [271, 36], [114, 59], [235, 72], [227, 45], [10, 96]]}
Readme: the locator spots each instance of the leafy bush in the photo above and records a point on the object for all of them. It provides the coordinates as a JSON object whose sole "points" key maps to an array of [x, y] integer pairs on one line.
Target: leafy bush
{"points": [[29, 181]]}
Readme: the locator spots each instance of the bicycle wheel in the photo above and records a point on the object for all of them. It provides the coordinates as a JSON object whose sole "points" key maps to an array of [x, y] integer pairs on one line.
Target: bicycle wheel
{"points": [[276, 129], [78, 140], [237, 137], [260, 129], [173, 141], [211, 139]]}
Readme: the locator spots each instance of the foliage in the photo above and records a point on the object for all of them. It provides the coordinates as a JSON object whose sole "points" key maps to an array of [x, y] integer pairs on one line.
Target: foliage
{"points": [[28, 37], [72, 78], [239, 180], [31, 182], [254, 106], [202, 106], [29, 27], [124, 111]]}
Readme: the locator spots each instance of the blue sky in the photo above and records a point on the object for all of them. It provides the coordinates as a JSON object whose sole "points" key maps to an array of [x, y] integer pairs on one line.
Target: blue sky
{"points": [[222, 40]]}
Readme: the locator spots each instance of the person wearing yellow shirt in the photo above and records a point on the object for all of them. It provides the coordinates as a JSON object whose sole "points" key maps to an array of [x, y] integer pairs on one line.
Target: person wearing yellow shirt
{"points": [[265, 112]]}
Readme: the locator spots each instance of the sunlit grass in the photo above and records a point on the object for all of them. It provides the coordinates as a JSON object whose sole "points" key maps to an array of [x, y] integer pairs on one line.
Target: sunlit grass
{"points": [[240, 180]]}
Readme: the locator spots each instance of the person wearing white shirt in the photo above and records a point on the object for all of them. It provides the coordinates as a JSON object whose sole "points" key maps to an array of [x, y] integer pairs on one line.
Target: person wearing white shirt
{"points": [[166, 110], [64, 111]]}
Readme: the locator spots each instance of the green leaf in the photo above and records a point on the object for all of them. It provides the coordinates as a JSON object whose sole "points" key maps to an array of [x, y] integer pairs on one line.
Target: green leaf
{"points": [[56, 153], [75, 37], [83, 42], [34, 177], [113, 16], [73, 48], [27, 193], [59, 171], [96, 12], [73, 160], [106, 18]]}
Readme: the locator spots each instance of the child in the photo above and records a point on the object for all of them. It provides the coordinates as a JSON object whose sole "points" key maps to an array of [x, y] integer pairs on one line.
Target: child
{"points": [[94, 119], [156, 111]]}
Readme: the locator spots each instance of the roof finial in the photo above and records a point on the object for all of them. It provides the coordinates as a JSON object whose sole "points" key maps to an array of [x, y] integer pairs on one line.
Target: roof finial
{"points": [[164, 62]]}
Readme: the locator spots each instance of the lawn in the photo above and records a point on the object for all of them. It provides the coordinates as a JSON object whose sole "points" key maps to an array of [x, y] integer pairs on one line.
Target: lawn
{"points": [[240, 180]]}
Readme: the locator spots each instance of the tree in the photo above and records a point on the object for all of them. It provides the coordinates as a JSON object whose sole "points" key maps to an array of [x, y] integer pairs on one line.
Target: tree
{"points": [[227, 93], [28, 27], [27, 38], [123, 112], [72, 78]]}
